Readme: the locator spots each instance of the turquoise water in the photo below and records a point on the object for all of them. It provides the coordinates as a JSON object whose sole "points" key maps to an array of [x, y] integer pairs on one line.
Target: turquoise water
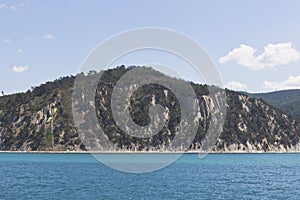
{"points": [[217, 176]]}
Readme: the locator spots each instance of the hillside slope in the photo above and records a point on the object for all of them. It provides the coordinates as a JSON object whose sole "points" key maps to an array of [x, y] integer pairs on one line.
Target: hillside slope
{"points": [[42, 119], [287, 100]]}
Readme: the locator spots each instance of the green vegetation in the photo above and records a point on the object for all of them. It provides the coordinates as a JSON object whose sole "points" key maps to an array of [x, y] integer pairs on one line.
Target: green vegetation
{"points": [[286, 100], [42, 119]]}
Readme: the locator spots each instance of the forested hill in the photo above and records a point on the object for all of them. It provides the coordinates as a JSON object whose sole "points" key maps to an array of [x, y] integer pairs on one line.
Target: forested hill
{"points": [[41, 119], [287, 100]]}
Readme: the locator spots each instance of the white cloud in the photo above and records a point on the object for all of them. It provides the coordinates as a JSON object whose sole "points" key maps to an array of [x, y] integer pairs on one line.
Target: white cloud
{"points": [[19, 50], [6, 41], [234, 85], [293, 82], [14, 6], [273, 55], [20, 68], [4, 6], [38, 37], [49, 37]]}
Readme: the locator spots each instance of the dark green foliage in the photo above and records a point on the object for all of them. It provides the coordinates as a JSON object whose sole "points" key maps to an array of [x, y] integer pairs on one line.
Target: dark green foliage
{"points": [[286, 100], [42, 119]]}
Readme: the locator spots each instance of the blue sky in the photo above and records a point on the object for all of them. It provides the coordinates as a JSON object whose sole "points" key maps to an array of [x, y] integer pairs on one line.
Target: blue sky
{"points": [[254, 44]]}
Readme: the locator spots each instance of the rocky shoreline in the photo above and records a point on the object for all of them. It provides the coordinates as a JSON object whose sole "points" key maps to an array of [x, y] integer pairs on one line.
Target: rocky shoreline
{"points": [[150, 152]]}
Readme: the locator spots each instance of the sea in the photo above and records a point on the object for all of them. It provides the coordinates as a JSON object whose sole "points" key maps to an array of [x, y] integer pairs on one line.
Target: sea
{"points": [[192, 176]]}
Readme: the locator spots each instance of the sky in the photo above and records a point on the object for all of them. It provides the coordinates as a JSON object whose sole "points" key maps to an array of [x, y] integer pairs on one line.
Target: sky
{"points": [[255, 45]]}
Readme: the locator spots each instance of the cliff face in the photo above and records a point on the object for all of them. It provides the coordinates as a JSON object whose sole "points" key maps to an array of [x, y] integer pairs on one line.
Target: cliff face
{"points": [[42, 119], [253, 125]]}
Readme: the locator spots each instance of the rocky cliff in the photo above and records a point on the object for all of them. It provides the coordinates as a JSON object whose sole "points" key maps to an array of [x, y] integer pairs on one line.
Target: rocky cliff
{"points": [[42, 119]]}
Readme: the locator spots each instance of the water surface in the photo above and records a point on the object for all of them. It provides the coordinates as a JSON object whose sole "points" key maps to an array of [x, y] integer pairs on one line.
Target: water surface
{"points": [[217, 176]]}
